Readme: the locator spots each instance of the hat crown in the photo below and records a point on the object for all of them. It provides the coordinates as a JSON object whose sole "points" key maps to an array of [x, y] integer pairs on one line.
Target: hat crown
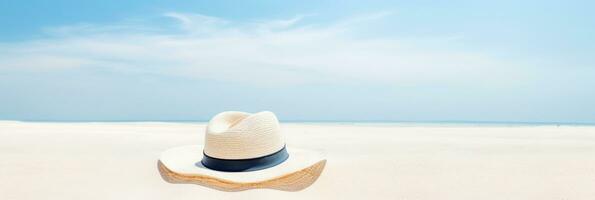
{"points": [[240, 135]]}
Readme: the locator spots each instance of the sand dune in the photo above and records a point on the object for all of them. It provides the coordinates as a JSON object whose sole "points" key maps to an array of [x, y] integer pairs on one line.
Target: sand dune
{"points": [[118, 161]]}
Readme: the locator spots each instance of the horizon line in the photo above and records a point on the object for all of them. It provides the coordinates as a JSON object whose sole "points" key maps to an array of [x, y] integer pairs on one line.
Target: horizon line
{"points": [[325, 121]]}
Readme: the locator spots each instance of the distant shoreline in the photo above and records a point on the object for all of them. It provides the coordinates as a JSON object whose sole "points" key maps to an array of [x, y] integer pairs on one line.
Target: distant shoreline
{"points": [[356, 123]]}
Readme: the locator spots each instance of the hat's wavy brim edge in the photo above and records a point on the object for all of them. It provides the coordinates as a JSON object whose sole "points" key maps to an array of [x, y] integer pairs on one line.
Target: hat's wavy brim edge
{"points": [[294, 181]]}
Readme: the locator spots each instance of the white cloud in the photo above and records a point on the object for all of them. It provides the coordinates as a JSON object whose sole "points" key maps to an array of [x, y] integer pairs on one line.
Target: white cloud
{"points": [[261, 52]]}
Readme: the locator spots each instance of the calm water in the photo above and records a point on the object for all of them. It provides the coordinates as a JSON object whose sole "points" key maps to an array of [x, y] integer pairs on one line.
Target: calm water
{"points": [[365, 123]]}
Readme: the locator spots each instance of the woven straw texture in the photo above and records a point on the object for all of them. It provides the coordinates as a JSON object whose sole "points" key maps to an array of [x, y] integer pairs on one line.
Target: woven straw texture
{"points": [[239, 135], [295, 181]]}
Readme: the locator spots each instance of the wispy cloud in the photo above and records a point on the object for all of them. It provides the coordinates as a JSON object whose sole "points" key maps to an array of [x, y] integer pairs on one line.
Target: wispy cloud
{"points": [[261, 52]]}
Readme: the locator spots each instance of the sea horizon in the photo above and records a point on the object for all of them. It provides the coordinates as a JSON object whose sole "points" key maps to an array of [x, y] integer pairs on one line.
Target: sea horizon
{"points": [[341, 122]]}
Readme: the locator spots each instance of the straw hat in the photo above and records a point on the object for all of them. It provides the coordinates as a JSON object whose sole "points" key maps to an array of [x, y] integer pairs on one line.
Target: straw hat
{"points": [[242, 151]]}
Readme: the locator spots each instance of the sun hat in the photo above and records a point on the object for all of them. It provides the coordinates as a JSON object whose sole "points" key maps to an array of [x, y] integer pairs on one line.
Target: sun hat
{"points": [[242, 151]]}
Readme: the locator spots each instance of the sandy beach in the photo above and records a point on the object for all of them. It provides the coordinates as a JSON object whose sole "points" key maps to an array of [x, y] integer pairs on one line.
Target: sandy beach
{"points": [[367, 161]]}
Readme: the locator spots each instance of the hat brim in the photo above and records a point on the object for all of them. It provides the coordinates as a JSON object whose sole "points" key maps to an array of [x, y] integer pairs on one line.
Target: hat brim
{"points": [[300, 170]]}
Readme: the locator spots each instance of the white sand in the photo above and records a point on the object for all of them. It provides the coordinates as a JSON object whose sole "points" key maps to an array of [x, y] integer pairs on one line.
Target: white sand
{"points": [[118, 161]]}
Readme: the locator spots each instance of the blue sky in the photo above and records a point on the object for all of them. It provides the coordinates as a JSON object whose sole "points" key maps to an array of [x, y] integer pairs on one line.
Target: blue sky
{"points": [[529, 61]]}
